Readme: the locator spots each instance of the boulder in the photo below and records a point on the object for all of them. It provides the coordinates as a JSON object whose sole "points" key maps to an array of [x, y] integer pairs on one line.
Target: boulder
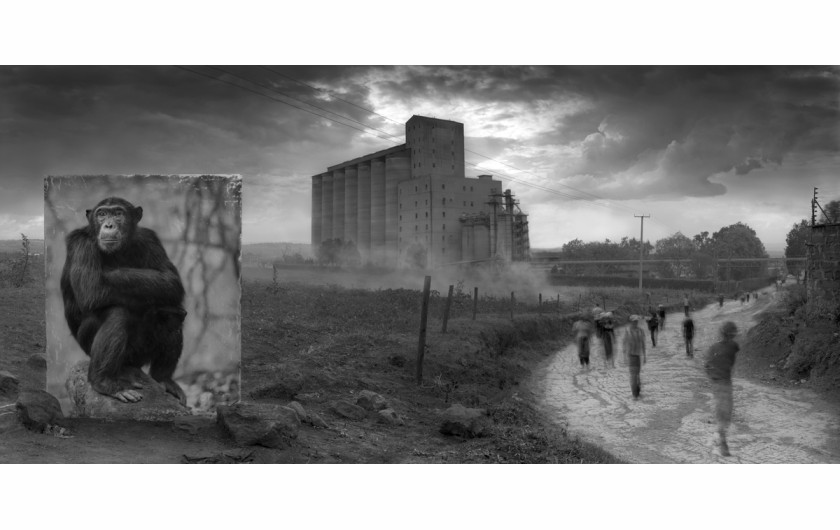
{"points": [[464, 422], [156, 405], [317, 421], [348, 410], [390, 417], [9, 418], [272, 426], [39, 410], [371, 401], [9, 385], [303, 416]]}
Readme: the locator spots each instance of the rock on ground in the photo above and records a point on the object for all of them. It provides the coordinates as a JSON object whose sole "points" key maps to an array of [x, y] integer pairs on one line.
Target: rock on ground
{"points": [[303, 416], [37, 362], [272, 426], [156, 404], [9, 385], [371, 401], [465, 422], [39, 409], [390, 417], [348, 410]]}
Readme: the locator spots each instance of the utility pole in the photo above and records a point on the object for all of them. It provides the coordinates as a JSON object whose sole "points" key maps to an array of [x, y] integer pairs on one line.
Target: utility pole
{"points": [[641, 249]]}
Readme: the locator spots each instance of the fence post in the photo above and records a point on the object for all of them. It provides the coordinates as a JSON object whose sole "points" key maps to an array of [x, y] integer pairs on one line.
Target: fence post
{"points": [[579, 297], [558, 302], [512, 301], [475, 302], [540, 311], [424, 313], [446, 309]]}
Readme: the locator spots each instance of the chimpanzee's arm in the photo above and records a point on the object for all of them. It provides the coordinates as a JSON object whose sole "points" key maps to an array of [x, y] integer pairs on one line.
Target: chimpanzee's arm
{"points": [[154, 279], [84, 270]]}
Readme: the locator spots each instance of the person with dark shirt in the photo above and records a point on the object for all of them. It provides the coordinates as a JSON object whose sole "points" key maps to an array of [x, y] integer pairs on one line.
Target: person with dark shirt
{"points": [[634, 354], [583, 335], [660, 310], [720, 300], [688, 334], [608, 337], [653, 326], [719, 362]]}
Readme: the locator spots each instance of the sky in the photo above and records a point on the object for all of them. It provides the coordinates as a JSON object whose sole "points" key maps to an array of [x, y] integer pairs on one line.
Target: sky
{"points": [[584, 148]]}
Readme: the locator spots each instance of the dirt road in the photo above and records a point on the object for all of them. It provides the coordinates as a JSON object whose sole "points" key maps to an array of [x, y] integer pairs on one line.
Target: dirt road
{"points": [[673, 421]]}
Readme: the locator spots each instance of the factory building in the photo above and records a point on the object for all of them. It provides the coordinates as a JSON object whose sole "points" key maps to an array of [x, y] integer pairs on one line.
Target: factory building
{"points": [[411, 205]]}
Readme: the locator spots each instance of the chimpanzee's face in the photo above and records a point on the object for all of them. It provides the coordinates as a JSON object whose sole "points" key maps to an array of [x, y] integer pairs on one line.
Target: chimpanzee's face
{"points": [[114, 222]]}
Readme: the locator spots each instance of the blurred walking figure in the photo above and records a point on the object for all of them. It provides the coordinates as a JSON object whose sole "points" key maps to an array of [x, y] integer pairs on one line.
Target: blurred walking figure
{"points": [[634, 354], [685, 303], [742, 298], [608, 336], [688, 334], [583, 336], [748, 297], [720, 300], [661, 312], [719, 363], [653, 325]]}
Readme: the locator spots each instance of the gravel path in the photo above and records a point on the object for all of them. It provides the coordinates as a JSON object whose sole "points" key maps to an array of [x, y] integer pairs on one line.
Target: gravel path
{"points": [[673, 421]]}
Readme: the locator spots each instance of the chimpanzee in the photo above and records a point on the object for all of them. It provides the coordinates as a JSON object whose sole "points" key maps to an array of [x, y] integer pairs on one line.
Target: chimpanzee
{"points": [[123, 301]]}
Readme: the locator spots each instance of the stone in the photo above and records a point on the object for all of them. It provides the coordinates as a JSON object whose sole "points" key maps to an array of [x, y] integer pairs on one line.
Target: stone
{"points": [[396, 360], [348, 410], [371, 401], [9, 385], [317, 421], [39, 409], [37, 362], [272, 426], [301, 412], [390, 417], [9, 418], [156, 405], [464, 422]]}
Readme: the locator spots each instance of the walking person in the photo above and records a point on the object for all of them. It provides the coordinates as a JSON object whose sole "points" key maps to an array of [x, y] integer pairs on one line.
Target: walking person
{"points": [[661, 312], [720, 300], [583, 336], [634, 354], [608, 336], [685, 303], [719, 362], [653, 326], [688, 335]]}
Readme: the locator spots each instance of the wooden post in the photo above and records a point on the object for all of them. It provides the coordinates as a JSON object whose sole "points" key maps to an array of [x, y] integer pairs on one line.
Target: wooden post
{"points": [[424, 313], [273, 273], [579, 296], [540, 303], [558, 302], [475, 301], [512, 301], [446, 309], [604, 302]]}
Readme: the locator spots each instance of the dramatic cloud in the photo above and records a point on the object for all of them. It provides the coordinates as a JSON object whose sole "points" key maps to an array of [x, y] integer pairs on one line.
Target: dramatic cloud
{"points": [[645, 138]]}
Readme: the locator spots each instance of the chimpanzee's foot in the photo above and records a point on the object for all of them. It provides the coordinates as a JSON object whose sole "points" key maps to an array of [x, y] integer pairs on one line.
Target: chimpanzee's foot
{"points": [[175, 389], [117, 389]]}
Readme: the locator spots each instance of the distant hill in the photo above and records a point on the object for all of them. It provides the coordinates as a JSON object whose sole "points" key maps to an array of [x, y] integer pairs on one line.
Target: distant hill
{"points": [[10, 246]]}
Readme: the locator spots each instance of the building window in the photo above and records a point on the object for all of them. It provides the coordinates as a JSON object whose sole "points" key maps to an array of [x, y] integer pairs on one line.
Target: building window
{"points": [[444, 227], [465, 203], [427, 227], [433, 165], [465, 188], [427, 202], [401, 218], [415, 189], [444, 250], [444, 214], [400, 229], [415, 216], [444, 201], [415, 204], [415, 228], [471, 203], [426, 187], [443, 238], [443, 186], [471, 188], [427, 214]]}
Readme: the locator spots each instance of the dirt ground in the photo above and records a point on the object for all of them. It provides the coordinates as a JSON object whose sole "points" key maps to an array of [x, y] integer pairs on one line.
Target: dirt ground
{"points": [[319, 344], [775, 420]]}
